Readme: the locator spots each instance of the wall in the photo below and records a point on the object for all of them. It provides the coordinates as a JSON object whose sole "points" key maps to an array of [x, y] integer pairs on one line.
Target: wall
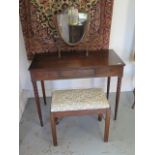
{"points": [[24, 78], [121, 40]]}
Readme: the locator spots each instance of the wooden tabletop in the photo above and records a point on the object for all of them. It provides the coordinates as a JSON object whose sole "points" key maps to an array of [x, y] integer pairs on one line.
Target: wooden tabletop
{"points": [[73, 60]]}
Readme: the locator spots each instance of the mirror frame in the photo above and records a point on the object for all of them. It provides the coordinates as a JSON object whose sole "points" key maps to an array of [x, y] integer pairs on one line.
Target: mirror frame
{"points": [[86, 31]]}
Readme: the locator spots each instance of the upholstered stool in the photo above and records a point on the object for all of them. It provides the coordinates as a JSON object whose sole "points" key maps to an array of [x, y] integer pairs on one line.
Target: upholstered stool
{"points": [[79, 102]]}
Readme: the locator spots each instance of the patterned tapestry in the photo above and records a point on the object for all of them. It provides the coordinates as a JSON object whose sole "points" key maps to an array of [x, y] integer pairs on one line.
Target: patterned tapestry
{"points": [[38, 19]]}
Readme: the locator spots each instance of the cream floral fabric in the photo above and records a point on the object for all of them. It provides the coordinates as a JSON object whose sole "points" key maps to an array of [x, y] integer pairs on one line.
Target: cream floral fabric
{"points": [[78, 99]]}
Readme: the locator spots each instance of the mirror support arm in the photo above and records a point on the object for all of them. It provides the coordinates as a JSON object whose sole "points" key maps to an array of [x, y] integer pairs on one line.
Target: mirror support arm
{"points": [[59, 53], [87, 52]]}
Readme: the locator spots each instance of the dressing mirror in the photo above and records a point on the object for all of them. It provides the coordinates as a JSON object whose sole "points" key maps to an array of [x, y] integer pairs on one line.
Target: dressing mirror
{"points": [[72, 25]]}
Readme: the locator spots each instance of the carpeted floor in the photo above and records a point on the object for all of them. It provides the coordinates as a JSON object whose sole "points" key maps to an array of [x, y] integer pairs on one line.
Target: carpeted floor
{"points": [[79, 135]]}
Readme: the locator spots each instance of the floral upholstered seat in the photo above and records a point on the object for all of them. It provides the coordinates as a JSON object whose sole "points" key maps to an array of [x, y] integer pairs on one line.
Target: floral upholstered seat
{"points": [[78, 99]]}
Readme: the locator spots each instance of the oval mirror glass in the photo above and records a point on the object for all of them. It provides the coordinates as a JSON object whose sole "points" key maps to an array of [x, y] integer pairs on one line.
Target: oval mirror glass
{"points": [[72, 25]]}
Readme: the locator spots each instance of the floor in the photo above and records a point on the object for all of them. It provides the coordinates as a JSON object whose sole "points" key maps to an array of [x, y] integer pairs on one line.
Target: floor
{"points": [[79, 135]]}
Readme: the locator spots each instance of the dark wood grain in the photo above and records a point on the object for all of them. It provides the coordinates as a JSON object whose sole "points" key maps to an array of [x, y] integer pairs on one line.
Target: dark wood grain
{"points": [[100, 116], [60, 114], [76, 60], [76, 65], [104, 63], [43, 90], [37, 101], [107, 125], [53, 128], [78, 112], [117, 96], [108, 86]]}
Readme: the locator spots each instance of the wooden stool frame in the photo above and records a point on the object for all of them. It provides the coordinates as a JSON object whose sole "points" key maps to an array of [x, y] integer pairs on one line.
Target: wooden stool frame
{"points": [[55, 115]]}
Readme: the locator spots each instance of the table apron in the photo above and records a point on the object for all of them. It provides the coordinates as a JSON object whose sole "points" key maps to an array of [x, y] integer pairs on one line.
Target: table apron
{"points": [[76, 73]]}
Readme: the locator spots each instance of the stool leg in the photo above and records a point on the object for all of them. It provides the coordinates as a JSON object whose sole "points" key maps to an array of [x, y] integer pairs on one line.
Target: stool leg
{"points": [[56, 120], [100, 117], [107, 125], [53, 128]]}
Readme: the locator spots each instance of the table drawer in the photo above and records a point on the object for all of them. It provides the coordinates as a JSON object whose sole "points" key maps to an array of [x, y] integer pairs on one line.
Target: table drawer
{"points": [[77, 73], [42, 75], [113, 71]]}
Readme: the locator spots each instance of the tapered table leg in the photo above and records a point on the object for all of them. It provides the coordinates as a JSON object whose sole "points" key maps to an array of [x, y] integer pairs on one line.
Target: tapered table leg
{"points": [[117, 96], [108, 87], [133, 105], [37, 102], [43, 90]]}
